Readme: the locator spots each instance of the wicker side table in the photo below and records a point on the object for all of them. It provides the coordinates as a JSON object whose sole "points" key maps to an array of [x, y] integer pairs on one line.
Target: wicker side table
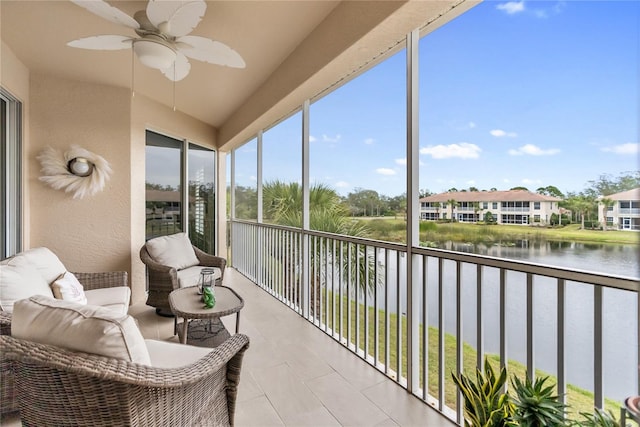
{"points": [[187, 303]]}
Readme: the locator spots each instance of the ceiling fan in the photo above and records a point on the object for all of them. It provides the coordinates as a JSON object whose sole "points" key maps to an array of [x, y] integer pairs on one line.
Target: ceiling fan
{"points": [[163, 41]]}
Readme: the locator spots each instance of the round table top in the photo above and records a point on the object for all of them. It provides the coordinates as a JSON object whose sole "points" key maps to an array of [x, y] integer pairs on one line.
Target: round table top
{"points": [[187, 303]]}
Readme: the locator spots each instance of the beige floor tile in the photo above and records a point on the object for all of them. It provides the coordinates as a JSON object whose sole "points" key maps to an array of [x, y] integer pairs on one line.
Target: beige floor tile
{"points": [[403, 408], [290, 397], [257, 412], [346, 403]]}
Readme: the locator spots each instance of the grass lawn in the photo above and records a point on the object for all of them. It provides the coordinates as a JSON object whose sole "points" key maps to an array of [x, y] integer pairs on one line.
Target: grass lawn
{"points": [[579, 400], [393, 230]]}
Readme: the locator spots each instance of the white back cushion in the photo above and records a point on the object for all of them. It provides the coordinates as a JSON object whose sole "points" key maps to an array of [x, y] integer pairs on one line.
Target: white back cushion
{"points": [[47, 263], [20, 279], [174, 250], [77, 327]]}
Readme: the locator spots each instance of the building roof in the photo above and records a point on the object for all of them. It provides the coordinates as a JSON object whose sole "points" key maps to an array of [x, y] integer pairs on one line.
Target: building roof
{"points": [[633, 194], [490, 196]]}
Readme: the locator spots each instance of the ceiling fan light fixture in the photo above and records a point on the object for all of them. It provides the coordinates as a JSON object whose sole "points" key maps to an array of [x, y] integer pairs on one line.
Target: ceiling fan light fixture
{"points": [[154, 54]]}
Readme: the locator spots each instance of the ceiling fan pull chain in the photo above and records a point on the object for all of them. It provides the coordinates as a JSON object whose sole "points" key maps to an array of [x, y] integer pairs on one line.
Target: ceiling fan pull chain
{"points": [[133, 80], [174, 85]]}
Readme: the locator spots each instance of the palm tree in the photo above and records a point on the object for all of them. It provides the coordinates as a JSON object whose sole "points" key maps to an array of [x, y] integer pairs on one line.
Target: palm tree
{"points": [[606, 202], [437, 205], [452, 205], [476, 209], [283, 205]]}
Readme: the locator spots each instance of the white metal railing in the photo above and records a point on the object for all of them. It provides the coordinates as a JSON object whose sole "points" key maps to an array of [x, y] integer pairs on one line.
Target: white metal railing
{"points": [[628, 211], [357, 291]]}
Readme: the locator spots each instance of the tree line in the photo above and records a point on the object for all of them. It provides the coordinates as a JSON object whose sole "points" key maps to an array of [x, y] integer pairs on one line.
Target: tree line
{"points": [[363, 202]]}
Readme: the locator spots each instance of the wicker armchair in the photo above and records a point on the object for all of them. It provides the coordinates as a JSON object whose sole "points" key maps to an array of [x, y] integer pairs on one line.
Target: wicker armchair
{"points": [[8, 402], [164, 279], [55, 386]]}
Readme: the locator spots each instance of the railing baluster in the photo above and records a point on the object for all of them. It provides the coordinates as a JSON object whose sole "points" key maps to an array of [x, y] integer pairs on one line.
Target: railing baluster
{"points": [[441, 348], [376, 327], [357, 297], [479, 321], [531, 351], [366, 302], [503, 321], [387, 334], [459, 337], [398, 320], [561, 319], [349, 245], [341, 286], [425, 329], [597, 348]]}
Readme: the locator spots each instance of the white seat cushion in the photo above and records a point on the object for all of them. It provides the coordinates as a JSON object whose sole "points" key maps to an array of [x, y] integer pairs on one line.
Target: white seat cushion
{"points": [[48, 264], [77, 327], [169, 355], [116, 298], [19, 279], [190, 276], [174, 250]]}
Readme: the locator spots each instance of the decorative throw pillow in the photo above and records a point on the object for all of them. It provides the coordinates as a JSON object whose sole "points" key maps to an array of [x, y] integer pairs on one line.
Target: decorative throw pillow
{"points": [[68, 288], [46, 262], [174, 250], [20, 279], [77, 327]]}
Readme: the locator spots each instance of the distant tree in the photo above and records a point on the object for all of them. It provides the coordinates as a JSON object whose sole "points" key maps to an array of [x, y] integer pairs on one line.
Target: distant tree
{"points": [[519, 188], [550, 190], [452, 190], [425, 193], [488, 217], [555, 219], [473, 189], [493, 189], [606, 184]]}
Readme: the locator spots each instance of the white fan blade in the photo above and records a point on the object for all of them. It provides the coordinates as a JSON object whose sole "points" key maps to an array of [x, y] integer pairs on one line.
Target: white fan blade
{"points": [[175, 18], [210, 51], [181, 69], [102, 43], [108, 12]]}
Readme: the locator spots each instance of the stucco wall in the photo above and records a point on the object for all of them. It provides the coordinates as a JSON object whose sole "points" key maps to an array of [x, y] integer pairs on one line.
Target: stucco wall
{"points": [[90, 234]]}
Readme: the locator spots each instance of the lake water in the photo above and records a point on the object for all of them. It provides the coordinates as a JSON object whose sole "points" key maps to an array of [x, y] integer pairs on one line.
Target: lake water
{"points": [[620, 312]]}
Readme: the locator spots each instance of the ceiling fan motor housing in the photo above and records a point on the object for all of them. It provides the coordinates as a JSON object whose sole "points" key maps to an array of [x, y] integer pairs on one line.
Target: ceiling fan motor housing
{"points": [[154, 52]]}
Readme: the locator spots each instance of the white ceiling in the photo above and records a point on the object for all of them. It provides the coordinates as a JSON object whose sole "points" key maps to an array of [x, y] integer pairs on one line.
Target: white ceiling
{"points": [[284, 44]]}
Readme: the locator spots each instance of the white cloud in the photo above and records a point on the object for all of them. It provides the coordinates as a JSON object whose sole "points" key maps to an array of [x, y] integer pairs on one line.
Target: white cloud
{"points": [[533, 150], [463, 150], [471, 182], [628, 148], [327, 138], [472, 125], [401, 162], [342, 184], [369, 141], [511, 7], [312, 138], [385, 171], [499, 133], [253, 178]]}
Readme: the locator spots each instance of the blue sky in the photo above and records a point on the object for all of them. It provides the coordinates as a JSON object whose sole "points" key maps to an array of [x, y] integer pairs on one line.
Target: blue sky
{"points": [[526, 93]]}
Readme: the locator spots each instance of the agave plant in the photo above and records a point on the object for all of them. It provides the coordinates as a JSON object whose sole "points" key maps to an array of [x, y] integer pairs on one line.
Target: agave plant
{"points": [[485, 405], [536, 405], [600, 418]]}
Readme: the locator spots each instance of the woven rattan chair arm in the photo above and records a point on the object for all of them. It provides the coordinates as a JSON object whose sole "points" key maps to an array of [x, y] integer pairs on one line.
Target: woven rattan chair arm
{"points": [[109, 369], [108, 279], [5, 323], [211, 260]]}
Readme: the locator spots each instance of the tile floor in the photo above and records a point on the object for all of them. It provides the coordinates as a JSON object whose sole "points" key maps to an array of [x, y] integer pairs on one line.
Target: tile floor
{"points": [[295, 375]]}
